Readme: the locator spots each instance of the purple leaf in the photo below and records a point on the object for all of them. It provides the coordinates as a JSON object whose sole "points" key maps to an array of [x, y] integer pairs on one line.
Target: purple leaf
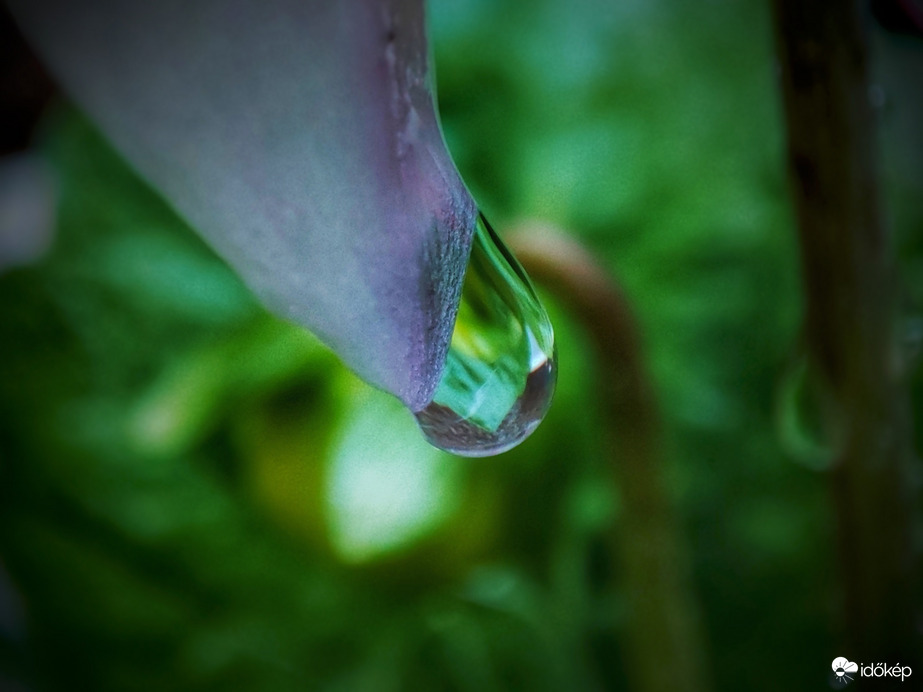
{"points": [[300, 138]]}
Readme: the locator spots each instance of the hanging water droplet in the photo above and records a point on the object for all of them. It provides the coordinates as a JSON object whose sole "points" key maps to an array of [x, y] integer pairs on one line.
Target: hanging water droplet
{"points": [[500, 372], [809, 421], [910, 344]]}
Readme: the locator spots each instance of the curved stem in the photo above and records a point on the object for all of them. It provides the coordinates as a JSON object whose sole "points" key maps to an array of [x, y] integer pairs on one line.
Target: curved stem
{"points": [[663, 617], [849, 276]]}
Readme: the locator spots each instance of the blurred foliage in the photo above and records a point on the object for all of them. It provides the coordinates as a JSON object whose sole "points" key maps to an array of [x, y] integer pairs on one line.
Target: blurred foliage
{"points": [[194, 495]]}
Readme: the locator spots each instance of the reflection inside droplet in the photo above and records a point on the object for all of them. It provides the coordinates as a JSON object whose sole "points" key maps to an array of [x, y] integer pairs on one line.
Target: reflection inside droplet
{"points": [[500, 372]]}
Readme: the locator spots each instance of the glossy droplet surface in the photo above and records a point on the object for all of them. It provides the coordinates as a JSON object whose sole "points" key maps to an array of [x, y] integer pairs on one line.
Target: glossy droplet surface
{"points": [[500, 372]]}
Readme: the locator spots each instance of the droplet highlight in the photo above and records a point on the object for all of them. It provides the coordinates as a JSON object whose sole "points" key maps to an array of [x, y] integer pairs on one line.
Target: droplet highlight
{"points": [[500, 372]]}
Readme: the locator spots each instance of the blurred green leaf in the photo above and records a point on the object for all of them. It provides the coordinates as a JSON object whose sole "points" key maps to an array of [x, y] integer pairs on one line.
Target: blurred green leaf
{"points": [[196, 496]]}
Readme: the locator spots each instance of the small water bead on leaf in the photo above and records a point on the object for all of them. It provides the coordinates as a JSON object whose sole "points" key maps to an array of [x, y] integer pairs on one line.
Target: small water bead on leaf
{"points": [[500, 372]]}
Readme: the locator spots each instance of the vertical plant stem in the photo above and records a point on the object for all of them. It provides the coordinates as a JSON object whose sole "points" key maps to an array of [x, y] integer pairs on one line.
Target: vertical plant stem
{"points": [[848, 270], [665, 644]]}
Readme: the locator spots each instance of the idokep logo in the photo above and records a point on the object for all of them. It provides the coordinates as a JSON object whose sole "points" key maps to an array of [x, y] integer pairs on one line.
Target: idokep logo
{"points": [[844, 671]]}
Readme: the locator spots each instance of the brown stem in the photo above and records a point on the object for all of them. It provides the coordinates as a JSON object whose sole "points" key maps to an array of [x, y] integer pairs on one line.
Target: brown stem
{"points": [[663, 619], [848, 271]]}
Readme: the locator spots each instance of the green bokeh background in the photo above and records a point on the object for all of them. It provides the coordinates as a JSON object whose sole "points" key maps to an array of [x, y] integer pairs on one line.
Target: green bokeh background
{"points": [[197, 496]]}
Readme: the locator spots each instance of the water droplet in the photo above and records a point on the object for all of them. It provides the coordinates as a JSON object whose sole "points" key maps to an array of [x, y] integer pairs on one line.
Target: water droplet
{"points": [[809, 420], [911, 344], [500, 372]]}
